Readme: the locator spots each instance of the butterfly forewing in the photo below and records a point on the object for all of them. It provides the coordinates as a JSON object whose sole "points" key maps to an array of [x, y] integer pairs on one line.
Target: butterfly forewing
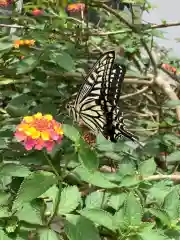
{"points": [[93, 82], [88, 104]]}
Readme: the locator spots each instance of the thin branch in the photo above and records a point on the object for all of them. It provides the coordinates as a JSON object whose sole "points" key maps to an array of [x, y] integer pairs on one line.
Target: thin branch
{"points": [[173, 177], [134, 94], [165, 25]]}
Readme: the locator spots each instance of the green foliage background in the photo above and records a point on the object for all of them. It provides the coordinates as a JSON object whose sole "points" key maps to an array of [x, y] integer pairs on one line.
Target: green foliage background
{"points": [[114, 191]]}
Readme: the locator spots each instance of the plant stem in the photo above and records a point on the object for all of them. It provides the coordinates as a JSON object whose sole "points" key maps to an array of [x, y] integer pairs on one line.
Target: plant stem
{"points": [[58, 196]]}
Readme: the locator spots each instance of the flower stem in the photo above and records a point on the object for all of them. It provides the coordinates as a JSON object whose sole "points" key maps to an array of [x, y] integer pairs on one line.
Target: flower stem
{"points": [[58, 196]]}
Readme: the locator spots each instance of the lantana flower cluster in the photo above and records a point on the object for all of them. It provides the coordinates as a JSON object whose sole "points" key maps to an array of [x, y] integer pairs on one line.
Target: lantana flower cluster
{"points": [[5, 3], [18, 43], [169, 68], [75, 7], [39, 131]]}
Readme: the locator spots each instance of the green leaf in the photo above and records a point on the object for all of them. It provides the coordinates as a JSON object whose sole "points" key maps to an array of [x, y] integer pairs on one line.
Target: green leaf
{"points": [[171, 204], [133, 210], [5, 45], [95, 178], [47, 234], [33, 186], [4, 197], [152, 234], [81, 229], [103, 144], [87, 156], [175, 156], [116, 200], [70, 199], [161, 214], [119, 220], [158, 192], [129, 181], [31, 213], [4, 236], [15, 170], [147, 167], [27, 64], [64, 60], [96, 199], [19, 105], [71, 132], [99, 216], [126, 169], [4, 212], [172, 103]]}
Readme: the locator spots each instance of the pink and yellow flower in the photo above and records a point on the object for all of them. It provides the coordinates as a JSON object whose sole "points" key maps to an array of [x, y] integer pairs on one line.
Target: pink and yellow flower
{"points": [[39, 131]]}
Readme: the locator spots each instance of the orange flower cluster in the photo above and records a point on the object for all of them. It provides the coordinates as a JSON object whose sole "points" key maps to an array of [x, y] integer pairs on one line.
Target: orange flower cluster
{"points": [[37, 12], [39, 131], [169, 68], [5, 3], [18, 43], [75, 7]]}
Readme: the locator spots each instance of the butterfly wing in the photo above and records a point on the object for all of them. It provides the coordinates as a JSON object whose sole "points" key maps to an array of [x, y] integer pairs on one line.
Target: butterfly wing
{"points": [[114, 127], [87, 105]]}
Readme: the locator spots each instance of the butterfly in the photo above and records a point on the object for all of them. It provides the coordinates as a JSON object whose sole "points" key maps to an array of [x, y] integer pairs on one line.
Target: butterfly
{"points": [[97, 102]]}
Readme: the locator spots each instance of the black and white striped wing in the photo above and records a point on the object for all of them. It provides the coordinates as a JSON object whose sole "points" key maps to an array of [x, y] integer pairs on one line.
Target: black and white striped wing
{"points": [[98, 74], [110, 95], [120, 127], [114, 126], [88, 106], [114, 85]]}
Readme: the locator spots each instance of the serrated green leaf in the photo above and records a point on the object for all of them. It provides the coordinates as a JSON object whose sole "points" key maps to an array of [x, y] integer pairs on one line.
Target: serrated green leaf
{"points": [[15, 170], [147, 167], [153, 234], [133, 210], [33, 186], [71, 132], [161, 214], [81, 229], [87, 156], [171, 204], [158, 192], [95, 178], [116, 200], [47, 234], [99, 216], [96, 199], [70, 199], [119, 220]]}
